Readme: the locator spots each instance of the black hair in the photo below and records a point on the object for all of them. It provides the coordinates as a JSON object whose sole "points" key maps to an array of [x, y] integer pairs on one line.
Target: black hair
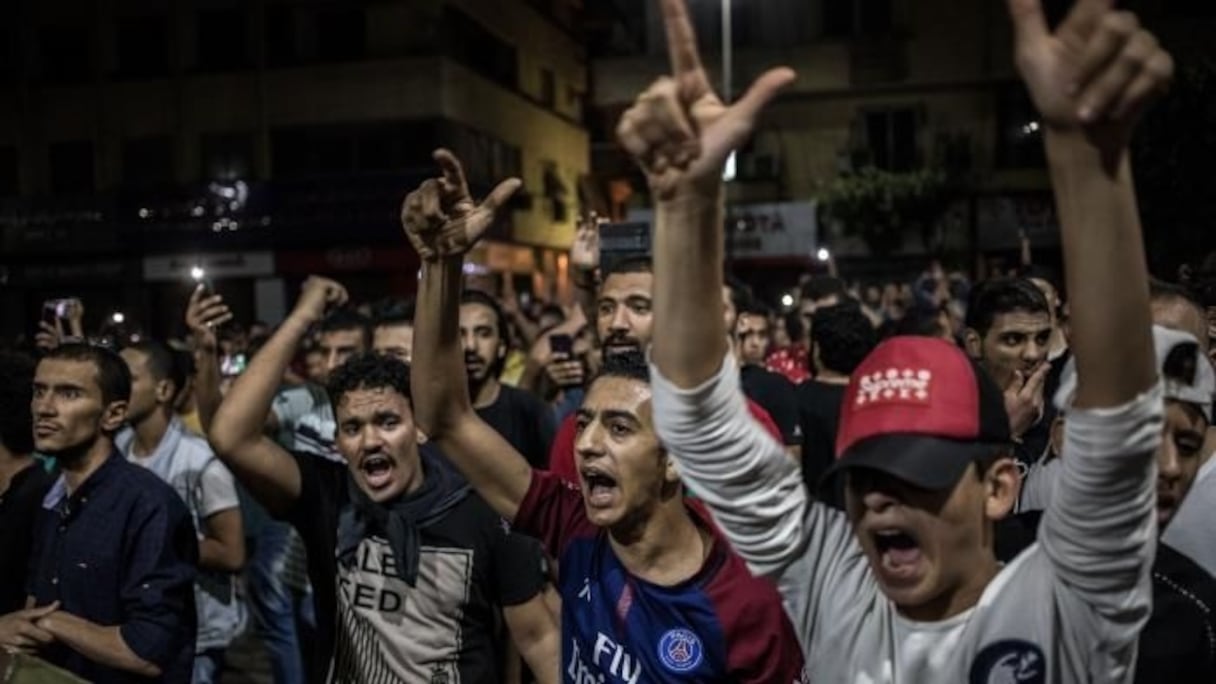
{"points": [[1047, 275], [500, 317], [993, 298], [844, 337], [633, 264], [368, 371], [161, 362], [822, 287], [627, 364], [793, 325], [345, 318], [113, 376], [16, 393], [754, 307], [1159, 290], [740, 294], [394, 312], [921, 320]]}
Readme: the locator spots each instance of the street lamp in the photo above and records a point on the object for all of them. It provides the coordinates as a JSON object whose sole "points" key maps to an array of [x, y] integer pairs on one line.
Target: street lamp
{"points": [[728, 172]]}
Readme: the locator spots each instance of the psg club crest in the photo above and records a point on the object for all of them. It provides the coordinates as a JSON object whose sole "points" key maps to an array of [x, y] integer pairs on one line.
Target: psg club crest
{"points": [[680, 650], [1010, 661]]}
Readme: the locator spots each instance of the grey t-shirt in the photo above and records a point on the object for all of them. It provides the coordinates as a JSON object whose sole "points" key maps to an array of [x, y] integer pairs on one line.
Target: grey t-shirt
{"points": [[1069, 609]]}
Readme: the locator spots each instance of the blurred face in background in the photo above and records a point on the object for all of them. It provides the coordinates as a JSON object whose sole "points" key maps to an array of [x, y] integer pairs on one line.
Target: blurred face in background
{"points": [[752, 337], [394, 340], [624, 317]]}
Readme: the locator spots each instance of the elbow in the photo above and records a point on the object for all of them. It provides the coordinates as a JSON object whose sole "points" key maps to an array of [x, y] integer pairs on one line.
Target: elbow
{"points": [[225, 437]]}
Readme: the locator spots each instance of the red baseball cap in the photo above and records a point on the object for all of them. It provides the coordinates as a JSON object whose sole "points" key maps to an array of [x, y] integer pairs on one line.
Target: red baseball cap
{"points": [[920, 410]]}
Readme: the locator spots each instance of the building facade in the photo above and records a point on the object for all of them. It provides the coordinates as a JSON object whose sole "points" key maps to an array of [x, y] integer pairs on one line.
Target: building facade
{"points": [[136, 133]]}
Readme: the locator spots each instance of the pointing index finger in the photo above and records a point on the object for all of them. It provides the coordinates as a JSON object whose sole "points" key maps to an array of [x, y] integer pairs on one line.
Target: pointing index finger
{"points": [[682, 42]]}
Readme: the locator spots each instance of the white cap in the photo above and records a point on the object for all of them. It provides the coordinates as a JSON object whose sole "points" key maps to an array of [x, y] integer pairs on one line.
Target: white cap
{"points": [[1198, 389]]}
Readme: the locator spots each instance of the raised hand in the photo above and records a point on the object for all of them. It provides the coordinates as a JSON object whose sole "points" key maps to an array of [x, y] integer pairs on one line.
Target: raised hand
{"points": [[1024, 398], [442, 219], [679, 131], [317, 296], [204, 315], [1097, 72], [585, 252]]}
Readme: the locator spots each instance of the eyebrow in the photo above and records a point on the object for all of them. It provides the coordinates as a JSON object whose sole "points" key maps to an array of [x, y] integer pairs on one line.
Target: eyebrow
{"points": [[58, 386]]}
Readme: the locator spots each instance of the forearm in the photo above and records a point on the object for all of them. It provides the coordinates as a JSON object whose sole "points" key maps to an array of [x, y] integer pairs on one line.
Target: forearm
{"points": [[535, 633], [207, 395], [101, 644], [583, 282], [1102, 244], [241, 416], [736, 468], [438, 401], [688, 253]]}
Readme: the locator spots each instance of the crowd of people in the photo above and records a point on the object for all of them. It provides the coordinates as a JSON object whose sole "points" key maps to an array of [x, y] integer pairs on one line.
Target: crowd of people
{"points": [[1006, 480]]}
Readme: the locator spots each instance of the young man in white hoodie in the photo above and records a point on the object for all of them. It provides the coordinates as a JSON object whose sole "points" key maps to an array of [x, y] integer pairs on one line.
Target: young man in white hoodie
{"points": [[905, 586]]}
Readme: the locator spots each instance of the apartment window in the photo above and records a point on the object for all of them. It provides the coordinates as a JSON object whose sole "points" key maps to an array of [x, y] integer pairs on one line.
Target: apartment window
{"points": [[341, 34], [66, 53], [548, 88], [147, 162], [72, 167], [10, 171], [339, 149], [281, 35], [1019, 136], [227, 156], [891, 138], [478, 48], [222, 40], [143, 46]]}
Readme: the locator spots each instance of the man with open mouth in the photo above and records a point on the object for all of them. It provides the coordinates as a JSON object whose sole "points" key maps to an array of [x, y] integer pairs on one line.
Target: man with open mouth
{"points": [[650, 592], [410, 569], [905, 585]]}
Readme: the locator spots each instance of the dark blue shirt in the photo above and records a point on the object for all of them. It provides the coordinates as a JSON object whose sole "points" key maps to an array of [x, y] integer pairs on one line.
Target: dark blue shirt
{"points": [[121, 550]]}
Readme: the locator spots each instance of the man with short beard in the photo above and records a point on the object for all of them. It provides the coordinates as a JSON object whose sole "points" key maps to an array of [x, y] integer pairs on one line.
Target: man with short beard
{"points": [[624, 321], [522, 419], [113, 564], [408, 568]]}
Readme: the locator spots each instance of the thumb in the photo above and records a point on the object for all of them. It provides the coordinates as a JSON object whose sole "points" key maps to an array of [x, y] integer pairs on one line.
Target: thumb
{"points": [[502, 194], [1029, 23], [763, 91], [42, 611], [1034, 385]]}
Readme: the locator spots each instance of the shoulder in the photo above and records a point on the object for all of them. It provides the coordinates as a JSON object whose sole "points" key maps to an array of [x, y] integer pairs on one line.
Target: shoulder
{"points": [[145, 492]]}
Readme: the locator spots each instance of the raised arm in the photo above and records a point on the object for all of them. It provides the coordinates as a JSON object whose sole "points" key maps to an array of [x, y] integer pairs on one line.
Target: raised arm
{"points": [[203, 316], [680, 133], [443, 222], [236, 433], [1090, 80]]}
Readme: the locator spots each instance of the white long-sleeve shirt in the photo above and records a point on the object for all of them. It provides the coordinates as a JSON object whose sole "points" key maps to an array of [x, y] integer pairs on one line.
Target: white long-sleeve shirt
{"points": [[1069, 609]]}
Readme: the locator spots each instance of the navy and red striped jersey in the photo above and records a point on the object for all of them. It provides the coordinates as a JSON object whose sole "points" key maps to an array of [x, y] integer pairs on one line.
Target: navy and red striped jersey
{"points": [[721, 625]]}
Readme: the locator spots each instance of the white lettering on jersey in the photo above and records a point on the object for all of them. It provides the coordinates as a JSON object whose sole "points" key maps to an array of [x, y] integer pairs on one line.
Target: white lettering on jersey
{"points": [[607, 656]]}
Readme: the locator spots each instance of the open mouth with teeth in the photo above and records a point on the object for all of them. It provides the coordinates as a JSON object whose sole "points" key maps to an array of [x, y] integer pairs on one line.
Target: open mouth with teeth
{"points": [[377, 470], [898, 552], [601, 489]]}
